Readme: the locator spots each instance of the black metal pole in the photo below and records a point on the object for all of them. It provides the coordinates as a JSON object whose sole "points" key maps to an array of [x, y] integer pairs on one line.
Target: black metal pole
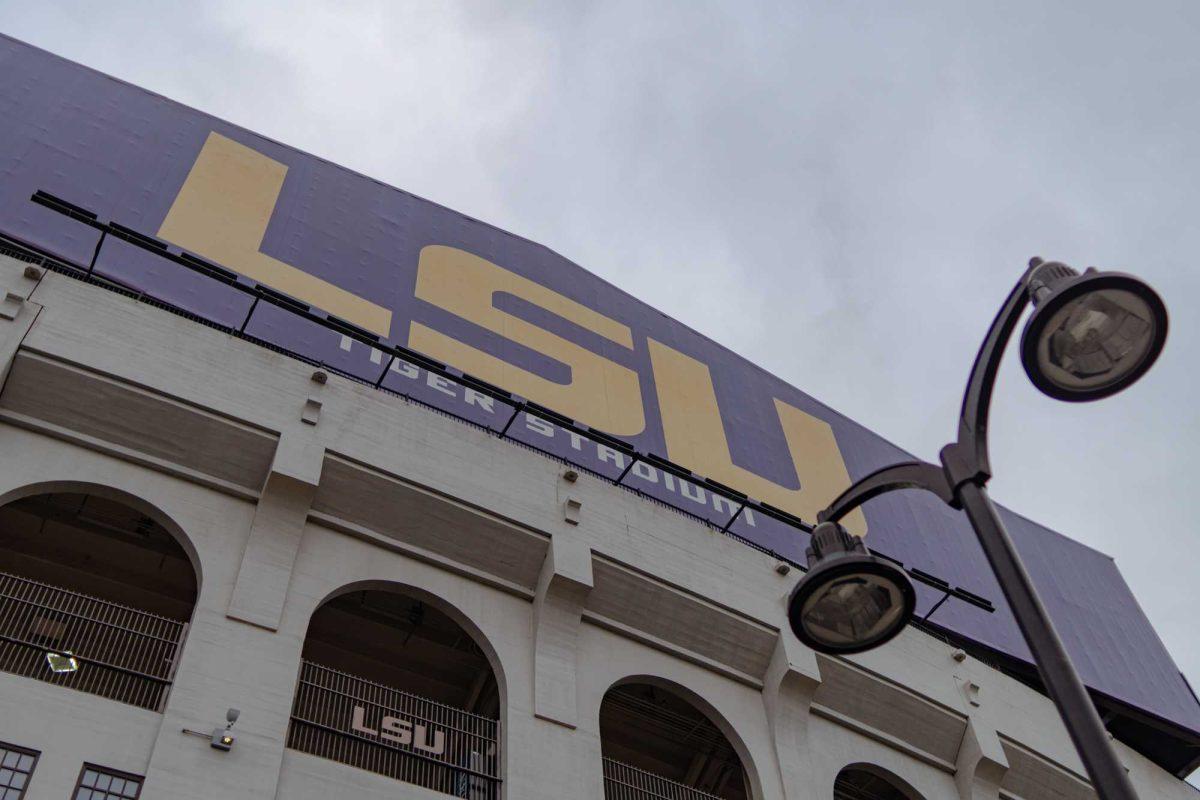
{"points": [[960, 483], [1066, 690]]}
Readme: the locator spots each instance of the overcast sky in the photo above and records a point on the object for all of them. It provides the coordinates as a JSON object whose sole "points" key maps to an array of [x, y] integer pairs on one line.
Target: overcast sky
{"points": [[842, 192]]}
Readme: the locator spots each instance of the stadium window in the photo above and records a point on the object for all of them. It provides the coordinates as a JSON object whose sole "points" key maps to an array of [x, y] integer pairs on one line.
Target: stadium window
{"points": [[16, 768], [101, 783]]}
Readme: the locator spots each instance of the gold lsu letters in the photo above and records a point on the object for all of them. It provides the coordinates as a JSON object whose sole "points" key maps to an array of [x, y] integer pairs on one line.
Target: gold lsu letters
{"points": [[222, 212]]}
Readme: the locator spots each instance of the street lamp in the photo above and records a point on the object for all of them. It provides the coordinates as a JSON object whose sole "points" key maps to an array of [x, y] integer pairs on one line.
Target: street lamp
{"points": [[850, 600], [1089, 336]]}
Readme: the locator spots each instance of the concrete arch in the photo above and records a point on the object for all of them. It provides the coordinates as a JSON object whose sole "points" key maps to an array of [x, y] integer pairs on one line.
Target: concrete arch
{"points": [[135, 502], [899, 784], [460, 618], [714, 716]]}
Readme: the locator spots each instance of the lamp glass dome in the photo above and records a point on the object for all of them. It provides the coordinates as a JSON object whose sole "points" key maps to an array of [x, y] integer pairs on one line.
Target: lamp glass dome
{"points": [[1094, 336], [851, 604]]}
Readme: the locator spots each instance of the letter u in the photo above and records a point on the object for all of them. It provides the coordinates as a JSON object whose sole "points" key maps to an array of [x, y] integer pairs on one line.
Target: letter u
{"points": [[421, 740]]}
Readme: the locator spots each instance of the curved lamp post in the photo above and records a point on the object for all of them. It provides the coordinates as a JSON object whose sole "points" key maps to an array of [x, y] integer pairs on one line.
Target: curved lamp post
{"points": [[1089, 336]]}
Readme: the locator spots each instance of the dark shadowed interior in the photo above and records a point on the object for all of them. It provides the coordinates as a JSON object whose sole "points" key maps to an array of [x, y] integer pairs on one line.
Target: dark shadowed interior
{"points": [[403, 643], [860, 784], [98, 547], [652, 729], [94, 595]]}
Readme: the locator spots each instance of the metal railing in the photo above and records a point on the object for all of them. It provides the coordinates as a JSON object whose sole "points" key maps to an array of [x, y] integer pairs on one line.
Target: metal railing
{"points": [[76, 640], [394, 733], [720, 507], [623, 782]]}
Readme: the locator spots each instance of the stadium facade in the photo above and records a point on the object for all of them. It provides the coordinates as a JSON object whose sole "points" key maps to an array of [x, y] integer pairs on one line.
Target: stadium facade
{"points": [[441, 514]]}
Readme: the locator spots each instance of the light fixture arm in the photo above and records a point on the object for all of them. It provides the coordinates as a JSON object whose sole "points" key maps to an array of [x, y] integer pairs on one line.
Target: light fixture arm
{"points": [[961, 483], [905, 475], [967, 459]]}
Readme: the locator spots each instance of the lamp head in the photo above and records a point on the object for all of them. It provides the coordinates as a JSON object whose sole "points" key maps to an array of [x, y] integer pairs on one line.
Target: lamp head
{"points": [[223, 738], [1090, 335], [849, 600]]}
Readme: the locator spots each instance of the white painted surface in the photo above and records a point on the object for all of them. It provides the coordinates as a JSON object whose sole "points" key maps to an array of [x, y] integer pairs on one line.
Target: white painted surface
{"points": [[455, 513]]}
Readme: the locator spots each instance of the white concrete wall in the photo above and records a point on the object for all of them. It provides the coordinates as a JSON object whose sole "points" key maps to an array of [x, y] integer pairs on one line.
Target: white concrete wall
{"points": [[70, 728], [556, 649]]}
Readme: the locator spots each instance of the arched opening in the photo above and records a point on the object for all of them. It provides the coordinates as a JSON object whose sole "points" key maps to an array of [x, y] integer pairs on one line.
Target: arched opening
{"points": [[868, 782], [95, 594], [657, 743], [392, 681]]}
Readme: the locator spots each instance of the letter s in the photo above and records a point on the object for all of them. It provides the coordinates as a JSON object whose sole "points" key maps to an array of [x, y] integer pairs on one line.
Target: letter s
{"points": [[397, 730], [601, 393]]}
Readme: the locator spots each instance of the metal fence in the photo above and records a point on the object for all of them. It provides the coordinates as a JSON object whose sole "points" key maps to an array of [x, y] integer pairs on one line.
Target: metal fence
{"points": [[404, 736], [72, 639], [623, 782]]}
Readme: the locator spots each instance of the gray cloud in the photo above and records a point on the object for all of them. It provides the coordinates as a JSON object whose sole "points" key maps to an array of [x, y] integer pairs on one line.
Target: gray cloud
{"points": [[844, 192]]}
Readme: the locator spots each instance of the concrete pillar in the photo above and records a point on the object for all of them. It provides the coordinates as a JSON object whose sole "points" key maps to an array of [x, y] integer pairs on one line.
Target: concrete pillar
{"points": [[567, 763], [266, 568], [251, 667], [981, 763], [552, 762], [562, 590], [17, 282], [226, 664], [791, 681]]}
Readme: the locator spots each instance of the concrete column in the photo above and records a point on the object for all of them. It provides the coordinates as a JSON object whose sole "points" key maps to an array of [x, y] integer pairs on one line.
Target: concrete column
{"points": [[563, 588], [551, 762], [266, 568], [981, 763], [226, 663], [17, 282], [791, 681], [555, 752]]}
